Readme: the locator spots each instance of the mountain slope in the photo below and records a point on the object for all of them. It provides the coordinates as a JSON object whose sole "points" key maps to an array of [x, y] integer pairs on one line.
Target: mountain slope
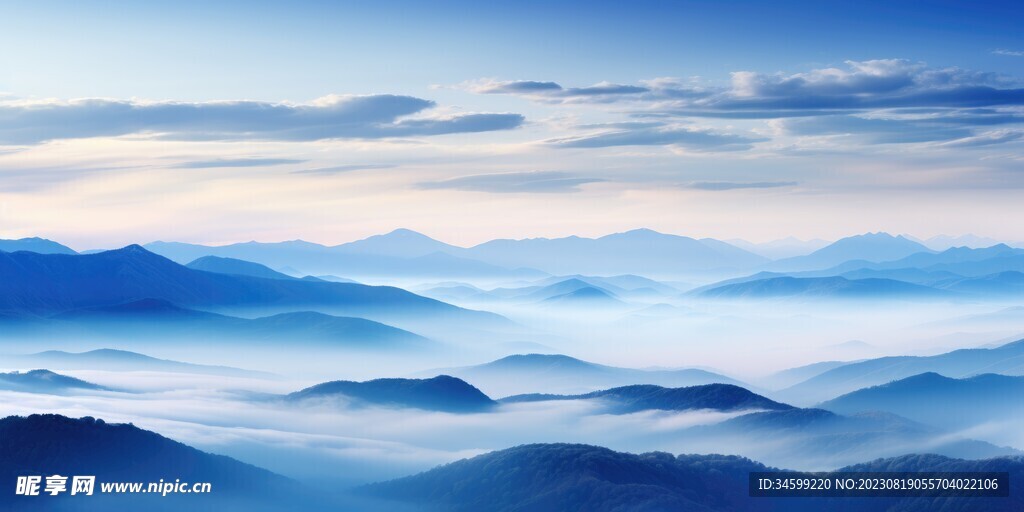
{"points": [[640, 251], [1007, 359], [627, 399], [121, 360], [235, 267], [870, 247], [35, 283], [820, 287], [545, 373], [561, 477], [51, 444], [158, 319], [965, 402], [44, 381], [38, 245], [441, 393]]}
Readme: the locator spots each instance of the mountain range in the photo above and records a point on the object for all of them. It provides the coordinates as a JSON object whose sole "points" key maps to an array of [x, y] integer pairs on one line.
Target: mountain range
{"points": [[154, 319], [1007, 359], [45, 284], [551, 373], [58, 445], [965, 402], [106, 359], [559, 477], [441, 393], [44, 381], [645, 397]]}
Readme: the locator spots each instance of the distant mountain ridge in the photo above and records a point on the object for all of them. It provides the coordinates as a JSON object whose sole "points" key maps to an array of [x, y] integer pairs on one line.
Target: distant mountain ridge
{"points": [[46, 284], [236, 267], [121, 360], [164, 320], [1007, 359], [965, 401], [872, 247], [35, 244], [44, 381], [641, 397], [441, 393], [552, 373]]}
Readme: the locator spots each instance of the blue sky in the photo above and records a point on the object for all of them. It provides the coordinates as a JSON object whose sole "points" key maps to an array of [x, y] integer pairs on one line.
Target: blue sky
{"points": [[228, 121]]}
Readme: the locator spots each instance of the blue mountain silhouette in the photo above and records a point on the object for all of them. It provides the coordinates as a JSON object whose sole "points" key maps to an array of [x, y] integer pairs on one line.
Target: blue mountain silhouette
{"points": [[441, 393], [35, 244], [560, 477], [51, 444], [627, 399], [236, 267], [1007, 359], [551, 373], [964, 402], [165, 320], [42, 284], [44, 381]]}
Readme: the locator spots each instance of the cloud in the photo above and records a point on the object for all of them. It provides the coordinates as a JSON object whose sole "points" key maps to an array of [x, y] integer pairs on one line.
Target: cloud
{"points": [[514, 182], [553, 92], [330, 117], [237, 162], [857, 86], [344, 168], [728, 185], [1008, 53], [660, 135], [986, 139], [878, 130]]}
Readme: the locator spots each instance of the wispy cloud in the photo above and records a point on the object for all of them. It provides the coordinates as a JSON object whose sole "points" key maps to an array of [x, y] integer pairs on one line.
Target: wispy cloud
{"points": [[730, 185], [330, 117], [344, 168], [514, 182], [237, 162], [660, 135], [1009, 53]]}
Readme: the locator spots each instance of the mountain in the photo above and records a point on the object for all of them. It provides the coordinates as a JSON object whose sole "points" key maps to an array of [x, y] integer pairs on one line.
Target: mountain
{"points": [[107, 359], [959, 261], [401, 243], [547, 373], [441, 393], [386, 256], [627, 399], [45, 284], [57, 445], [791, 376], [588, 296], [943, 242], [965, 402], [821, 287], [1003, 283], [624, 284], [872, 247], [819, 439], [161, 319], [44, 381], [1007, 359], [561, 477], [640, 251], [788, 247], [235, 267], [37, 245]]}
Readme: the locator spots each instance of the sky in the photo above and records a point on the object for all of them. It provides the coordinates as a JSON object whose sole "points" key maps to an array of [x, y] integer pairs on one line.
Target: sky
{"points": [[220, 122]]}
